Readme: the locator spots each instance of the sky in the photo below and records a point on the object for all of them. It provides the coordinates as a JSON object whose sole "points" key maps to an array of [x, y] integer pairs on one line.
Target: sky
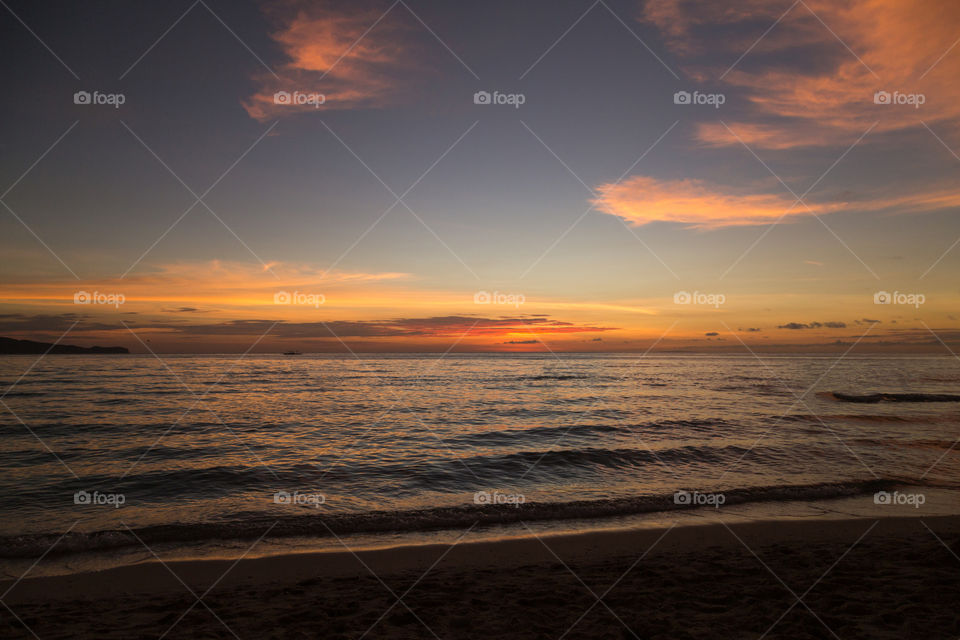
{"points": [[624, 176]]}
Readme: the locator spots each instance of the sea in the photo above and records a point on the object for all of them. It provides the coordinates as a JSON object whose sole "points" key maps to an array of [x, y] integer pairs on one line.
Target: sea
{"points": [[116, 459]]}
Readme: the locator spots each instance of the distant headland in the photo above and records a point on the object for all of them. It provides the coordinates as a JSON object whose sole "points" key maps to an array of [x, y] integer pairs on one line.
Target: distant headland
{"points": [[10, 346]]}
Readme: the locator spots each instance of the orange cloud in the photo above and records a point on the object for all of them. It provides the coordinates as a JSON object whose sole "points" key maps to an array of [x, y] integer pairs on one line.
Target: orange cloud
{"points": [[330, 52], [696, 203], [829, 99], [641, 200]]}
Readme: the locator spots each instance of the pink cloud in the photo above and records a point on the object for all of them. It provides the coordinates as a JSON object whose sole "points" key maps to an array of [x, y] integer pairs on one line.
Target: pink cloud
{"points": [[353, 56], [829, 99], [696, 203]]}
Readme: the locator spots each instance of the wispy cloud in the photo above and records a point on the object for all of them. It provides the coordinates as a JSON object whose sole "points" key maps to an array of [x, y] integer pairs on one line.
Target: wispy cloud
{"points": [[697, 203], [811, 83], [350, 53]]}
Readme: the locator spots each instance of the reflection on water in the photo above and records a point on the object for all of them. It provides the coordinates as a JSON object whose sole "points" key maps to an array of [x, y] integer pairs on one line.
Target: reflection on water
{"points": [[200, 451]]}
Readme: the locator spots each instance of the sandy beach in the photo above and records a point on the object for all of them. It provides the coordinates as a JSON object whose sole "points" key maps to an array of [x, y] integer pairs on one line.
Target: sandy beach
{"points": [[889, 578]]}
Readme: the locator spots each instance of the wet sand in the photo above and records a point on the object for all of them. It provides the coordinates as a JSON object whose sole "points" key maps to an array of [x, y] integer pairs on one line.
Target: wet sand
{"points": [[889, 578]]}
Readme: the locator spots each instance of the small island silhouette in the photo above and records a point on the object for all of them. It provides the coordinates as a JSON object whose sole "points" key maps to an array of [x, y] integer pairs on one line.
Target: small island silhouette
{"points": [[10, 346]]}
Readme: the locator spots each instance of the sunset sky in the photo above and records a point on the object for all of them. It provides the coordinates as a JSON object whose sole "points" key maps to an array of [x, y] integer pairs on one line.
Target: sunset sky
{"points": [[399, 215]]}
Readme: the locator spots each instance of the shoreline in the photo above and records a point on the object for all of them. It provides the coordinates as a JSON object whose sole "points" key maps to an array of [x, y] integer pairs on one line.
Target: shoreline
{"points": [[154, 576], [891, 578]]}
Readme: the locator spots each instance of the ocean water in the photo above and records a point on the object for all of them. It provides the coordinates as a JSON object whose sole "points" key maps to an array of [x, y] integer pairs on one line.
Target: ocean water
{"points": [[120, 451]]}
